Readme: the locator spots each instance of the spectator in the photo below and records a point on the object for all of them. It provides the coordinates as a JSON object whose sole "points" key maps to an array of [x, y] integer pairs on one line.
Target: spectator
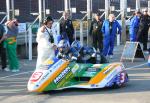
{"points": [[66, 28], [45, 40], [109, 30], [143, 29], [133, 14], [3, 50], [95, 30], [11, 45], [134, 26]]}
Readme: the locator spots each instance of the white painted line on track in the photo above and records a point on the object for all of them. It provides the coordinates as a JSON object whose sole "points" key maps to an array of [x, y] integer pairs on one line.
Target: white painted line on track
{"points": [[136, 66], [15, 74], [12, 90]]}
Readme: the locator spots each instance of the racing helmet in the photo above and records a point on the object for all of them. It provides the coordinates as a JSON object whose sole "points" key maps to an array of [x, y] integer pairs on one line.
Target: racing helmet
{"points": [[88, 50], [63, 44], [77, 45]]}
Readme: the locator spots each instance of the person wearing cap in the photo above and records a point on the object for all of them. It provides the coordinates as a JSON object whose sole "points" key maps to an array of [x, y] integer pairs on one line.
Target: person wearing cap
{"points": [[66, 28], [143, 29], [46, 47], [11, 45], [95, 31], [134, 27], [109, 29]]}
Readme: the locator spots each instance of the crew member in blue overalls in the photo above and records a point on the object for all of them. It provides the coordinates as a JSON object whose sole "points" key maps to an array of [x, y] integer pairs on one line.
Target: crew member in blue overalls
{"points": [[66, 28], [134, 26], [109, 30]]}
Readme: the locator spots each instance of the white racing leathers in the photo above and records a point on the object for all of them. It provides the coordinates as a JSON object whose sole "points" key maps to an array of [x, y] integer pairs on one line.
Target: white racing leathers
{"points": [[45, 48]]}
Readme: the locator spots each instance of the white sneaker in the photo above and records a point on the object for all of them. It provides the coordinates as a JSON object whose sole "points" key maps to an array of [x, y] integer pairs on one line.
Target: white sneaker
{"points": [[111, 56], [146, 52], [15, 71], [6, 69]]}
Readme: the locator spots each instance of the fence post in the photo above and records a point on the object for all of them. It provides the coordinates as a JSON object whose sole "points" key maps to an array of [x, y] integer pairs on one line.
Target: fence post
{"points": [[81, 32], [30, 43]]}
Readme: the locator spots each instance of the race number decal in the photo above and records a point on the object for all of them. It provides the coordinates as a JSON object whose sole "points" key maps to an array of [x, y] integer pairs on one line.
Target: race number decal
{"points": [[122, 77]]}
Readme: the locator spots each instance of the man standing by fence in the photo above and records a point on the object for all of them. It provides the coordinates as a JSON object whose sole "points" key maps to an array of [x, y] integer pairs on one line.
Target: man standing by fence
{"points": [[66, 28], [96, 32], [143, 29]]}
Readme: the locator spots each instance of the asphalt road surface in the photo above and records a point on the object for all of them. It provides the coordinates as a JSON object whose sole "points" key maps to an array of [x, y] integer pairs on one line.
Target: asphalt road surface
{"points": [[13, 86]]}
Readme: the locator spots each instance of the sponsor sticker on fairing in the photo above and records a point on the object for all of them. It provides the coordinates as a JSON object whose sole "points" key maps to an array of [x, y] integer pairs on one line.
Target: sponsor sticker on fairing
{"points": [[97, 65], [61, 75], [48, 62], [94, 85], [108, 70], [75, 68], [45, 76], [112, 74], [49, 72], [57, 64], [36, 76]]}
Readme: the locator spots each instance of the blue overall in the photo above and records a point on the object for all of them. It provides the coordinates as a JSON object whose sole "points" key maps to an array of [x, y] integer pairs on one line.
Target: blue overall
{"points": [[109, 36], [134, 26]]}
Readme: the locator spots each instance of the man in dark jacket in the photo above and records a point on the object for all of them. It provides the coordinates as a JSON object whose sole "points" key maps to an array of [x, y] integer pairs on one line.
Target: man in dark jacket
{"points": [[2, 49], [143, 29], [96, 32], [66, 28]]}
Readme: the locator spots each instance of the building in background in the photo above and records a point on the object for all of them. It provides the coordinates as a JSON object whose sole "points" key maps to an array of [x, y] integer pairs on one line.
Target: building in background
{"points": [[26, 7]]}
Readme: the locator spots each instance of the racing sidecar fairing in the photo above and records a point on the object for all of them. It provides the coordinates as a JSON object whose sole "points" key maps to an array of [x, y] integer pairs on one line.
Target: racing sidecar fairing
{"points": [[59, 74]]}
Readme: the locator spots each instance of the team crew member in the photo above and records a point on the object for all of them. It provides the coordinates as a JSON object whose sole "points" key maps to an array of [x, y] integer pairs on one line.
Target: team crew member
{"points": [[134, 27], [2, 49], [143, 29], [11, 45], [109, 30], [66, 28], [45, 40], [96, 32]]}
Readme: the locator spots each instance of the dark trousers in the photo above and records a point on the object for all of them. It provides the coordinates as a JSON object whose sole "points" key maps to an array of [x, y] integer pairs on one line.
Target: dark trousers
{"points": [[3, 56], [98, 41], [67, 36], [70, 39], [144, 38]]}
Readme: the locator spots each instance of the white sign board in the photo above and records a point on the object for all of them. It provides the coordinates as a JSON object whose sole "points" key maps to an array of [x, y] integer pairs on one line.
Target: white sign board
{"points": [[47, 11], [112, 8], [74, 10], [22, 27], [16, 12], [128, 9]]}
